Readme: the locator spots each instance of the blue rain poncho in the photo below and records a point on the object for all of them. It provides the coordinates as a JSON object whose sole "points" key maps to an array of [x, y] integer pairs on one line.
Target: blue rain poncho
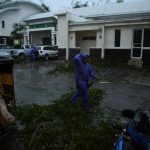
{"points": [[84, 71], [32, 55]]}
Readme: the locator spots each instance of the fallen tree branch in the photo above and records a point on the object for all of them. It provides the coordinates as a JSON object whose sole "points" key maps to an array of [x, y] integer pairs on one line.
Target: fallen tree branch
{"points": [[35, 133]]}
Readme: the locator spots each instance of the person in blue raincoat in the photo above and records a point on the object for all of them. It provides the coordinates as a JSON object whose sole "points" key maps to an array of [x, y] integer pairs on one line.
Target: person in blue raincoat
{"points": [[32, 53], [84, 71]]}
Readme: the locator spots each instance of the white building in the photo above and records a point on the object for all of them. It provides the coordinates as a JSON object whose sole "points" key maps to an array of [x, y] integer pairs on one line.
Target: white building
{"points": [[12, 15], [41, 29], [112, 31]]}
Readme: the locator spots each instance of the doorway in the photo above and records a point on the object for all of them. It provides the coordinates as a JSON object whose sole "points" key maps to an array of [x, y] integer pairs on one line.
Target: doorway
{"points": [[46, 41]]}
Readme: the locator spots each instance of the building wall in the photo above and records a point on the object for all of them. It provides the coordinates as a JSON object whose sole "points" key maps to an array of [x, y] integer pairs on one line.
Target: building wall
{"points": [[125, 41], [99, 39], [62, 34], [39, 29], [21, 11], [126, 38], [105, 40], [83, 30], [26, 9], [85, 41], [123, 52], [41, 21], [84, 27], [9, 23], [37, 37], [109, 36], [72, 40]]}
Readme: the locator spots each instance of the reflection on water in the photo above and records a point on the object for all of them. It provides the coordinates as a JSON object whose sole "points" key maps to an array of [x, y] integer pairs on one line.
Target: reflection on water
{"points": [[33, 84]]}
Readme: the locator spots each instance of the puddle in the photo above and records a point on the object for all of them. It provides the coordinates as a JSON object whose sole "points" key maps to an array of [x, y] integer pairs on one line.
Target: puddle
{"points": [[34, 85]]}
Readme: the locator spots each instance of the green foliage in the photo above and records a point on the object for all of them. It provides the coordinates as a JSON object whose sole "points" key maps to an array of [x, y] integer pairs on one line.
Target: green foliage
{"points": [[67, 126], [62, 68]]}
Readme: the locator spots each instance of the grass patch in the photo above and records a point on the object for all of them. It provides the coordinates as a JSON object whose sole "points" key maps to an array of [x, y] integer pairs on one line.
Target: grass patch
{"points": [[66, 67], [65, 126]]}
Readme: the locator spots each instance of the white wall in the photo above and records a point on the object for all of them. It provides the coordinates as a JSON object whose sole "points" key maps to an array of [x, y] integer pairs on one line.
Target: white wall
{"points": [[72, 40], [9, 17], [126, 37], [85, 45], [62, 33], [99, 40], [27, 10], [109, 38], [15, 16], [84, 27], [82, 30]]}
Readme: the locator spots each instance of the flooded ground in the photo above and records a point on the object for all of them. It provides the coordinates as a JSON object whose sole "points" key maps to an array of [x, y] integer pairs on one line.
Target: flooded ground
{"points": [[33, 84]]}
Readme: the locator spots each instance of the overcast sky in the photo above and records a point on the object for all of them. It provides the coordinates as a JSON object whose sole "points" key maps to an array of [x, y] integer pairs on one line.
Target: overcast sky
{"points": [[61, 4]]}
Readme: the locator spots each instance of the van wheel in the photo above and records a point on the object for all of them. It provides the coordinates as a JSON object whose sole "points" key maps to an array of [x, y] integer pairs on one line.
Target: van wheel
{"points": [[46, 57]]}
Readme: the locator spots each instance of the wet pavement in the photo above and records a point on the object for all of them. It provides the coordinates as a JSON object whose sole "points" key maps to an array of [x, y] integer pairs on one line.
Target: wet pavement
{"points": [[33, 84], [120, 96]]}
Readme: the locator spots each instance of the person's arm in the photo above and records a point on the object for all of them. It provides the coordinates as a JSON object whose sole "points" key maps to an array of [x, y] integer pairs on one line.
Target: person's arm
{"points": [[92, 73], [79, 68], [77, 62]]}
